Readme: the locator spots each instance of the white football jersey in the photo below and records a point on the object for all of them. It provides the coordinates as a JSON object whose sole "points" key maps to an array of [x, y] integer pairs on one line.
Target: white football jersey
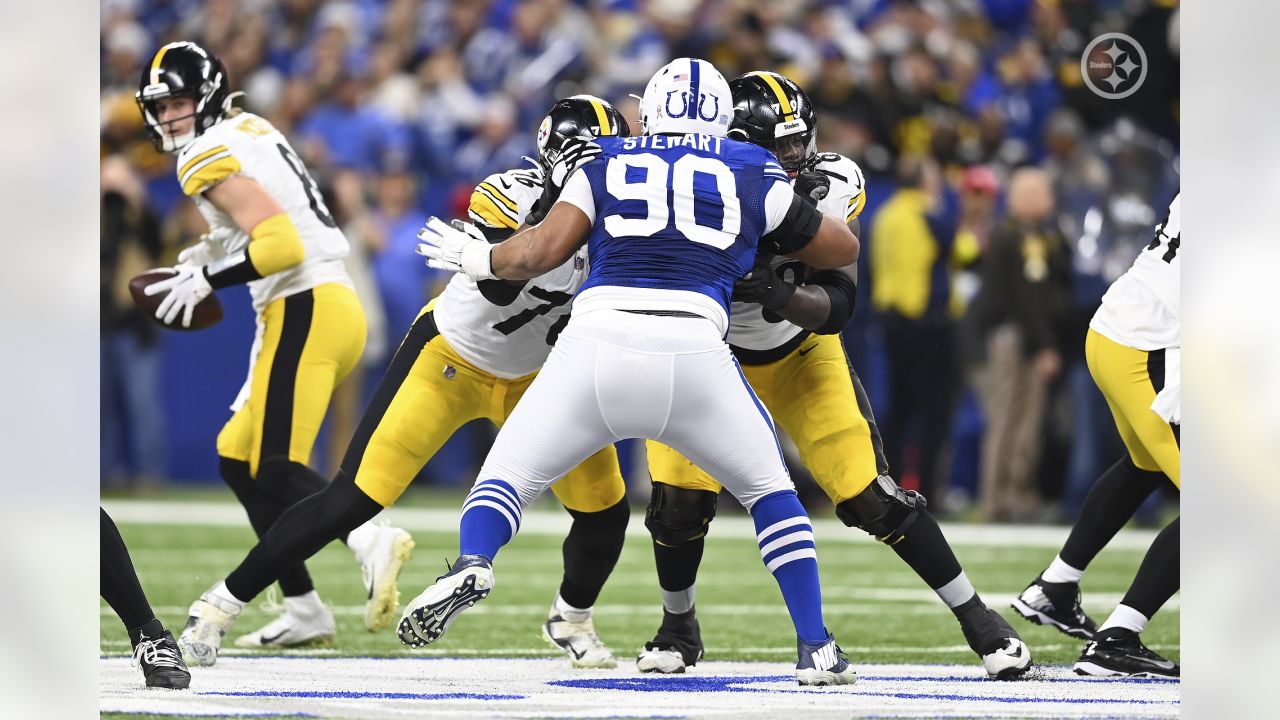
{"points": [[514, 340], [751, 327], [248, 145], [1142, 308]]}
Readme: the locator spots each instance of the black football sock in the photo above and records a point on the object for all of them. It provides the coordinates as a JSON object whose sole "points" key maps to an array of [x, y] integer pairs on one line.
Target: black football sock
{"points": [[120, 586], [677, 572], [1158, 577], [264, 509], [591, 551], [927, 551], [302, 531], [1111, 502]]}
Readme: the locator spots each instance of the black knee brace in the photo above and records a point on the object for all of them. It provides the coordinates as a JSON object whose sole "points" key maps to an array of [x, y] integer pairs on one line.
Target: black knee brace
{"points": [[676, 516], [883, 510]]}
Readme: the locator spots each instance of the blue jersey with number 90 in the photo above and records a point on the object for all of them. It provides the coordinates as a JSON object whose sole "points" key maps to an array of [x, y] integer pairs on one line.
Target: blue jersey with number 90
{"points": [[678, 212]]}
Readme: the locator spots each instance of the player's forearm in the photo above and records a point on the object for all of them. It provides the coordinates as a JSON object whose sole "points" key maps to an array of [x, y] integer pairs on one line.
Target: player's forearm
{"points": [[523, 256], [274, 245], [808, 307]]}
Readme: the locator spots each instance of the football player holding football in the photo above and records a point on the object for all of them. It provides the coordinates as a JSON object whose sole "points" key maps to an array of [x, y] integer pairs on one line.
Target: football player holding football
{"points": [[472, 353], [268, 228]]}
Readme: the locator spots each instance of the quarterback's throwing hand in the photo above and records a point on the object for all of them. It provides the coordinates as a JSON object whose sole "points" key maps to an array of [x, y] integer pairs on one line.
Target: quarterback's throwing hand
{"points": [[456, 247], [186, 289]]}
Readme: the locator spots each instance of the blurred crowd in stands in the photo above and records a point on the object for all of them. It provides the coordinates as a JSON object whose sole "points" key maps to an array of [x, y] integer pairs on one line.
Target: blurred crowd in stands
{"points": [[1003, 194]]}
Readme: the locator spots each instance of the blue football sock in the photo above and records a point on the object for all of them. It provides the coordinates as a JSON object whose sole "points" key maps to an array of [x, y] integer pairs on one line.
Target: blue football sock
{"points": [[490, 518], [786, 543]]}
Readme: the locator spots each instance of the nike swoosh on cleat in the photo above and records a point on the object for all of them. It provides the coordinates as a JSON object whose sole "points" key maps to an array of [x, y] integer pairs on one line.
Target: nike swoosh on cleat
{"points": [[273, 638]]}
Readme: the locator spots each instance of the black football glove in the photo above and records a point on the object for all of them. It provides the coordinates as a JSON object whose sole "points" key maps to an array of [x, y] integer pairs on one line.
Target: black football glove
{"points": [[762, 285], [574, 153], [813, 186]]}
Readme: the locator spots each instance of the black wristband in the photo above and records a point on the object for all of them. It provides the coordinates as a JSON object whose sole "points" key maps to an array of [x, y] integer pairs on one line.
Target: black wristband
{"points": [[236, 269]]}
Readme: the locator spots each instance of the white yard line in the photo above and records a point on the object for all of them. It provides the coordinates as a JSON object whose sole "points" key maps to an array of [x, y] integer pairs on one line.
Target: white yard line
{"points": [[541, 522], [453, 687]]}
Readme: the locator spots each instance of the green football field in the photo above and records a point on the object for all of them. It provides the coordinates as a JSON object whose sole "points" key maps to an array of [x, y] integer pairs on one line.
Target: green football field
{"points": [[880, 611]]}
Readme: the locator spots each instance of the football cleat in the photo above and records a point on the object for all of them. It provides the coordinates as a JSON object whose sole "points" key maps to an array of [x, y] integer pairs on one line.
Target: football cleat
{"points": [[304, 620], [381, 565], [677, 646], [823, 663], [1004, 656], [161, 662], [1056, 605], [208, 620], [1119, 652], [579, 640], [428, 616]]}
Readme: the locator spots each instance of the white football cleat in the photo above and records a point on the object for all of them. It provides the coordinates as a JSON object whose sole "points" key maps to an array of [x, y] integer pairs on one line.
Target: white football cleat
{"points": [[208, 620], [428, 616], [381, 564], [579, 640], [667, 661], [304, 620]]}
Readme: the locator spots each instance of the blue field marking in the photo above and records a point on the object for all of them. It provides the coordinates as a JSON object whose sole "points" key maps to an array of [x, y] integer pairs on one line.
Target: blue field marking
{"points": [[979, 679], [738, 683], [360, 695]]}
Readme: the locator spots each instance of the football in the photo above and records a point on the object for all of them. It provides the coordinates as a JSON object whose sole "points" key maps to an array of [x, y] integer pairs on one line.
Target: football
{"points": [[207, 313]]}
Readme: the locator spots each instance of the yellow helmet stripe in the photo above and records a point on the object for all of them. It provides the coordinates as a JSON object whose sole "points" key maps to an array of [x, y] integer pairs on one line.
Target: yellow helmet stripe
{"points": [[159, 58], [602, 117], [788, 112]]}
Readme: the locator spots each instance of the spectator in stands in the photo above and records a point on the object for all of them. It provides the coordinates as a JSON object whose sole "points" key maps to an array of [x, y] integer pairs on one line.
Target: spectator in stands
{"points": [[911, 242], [132, 422], [1021, 313]]}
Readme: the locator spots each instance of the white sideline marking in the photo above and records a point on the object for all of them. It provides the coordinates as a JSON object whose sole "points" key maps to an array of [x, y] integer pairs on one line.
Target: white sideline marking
{"points": [[542, 522], [528, 688]]}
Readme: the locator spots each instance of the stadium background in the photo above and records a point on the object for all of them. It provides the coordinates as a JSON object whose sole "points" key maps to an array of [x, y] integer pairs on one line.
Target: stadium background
{"points": [[400, 107]]}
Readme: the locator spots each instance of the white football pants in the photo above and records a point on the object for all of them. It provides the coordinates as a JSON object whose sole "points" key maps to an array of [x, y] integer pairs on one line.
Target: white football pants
{"points": [[614, 375]]}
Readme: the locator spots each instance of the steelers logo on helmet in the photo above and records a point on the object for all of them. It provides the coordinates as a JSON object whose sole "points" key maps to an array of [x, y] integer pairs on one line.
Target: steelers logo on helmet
{"points": [[544, 132], [770, 110], [577, 116]]}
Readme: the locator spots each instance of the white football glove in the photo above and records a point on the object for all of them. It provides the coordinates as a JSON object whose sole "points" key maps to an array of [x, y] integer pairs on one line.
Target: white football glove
{"points": [[456, 247], [207, 249], [186, 289], [574, 153]]}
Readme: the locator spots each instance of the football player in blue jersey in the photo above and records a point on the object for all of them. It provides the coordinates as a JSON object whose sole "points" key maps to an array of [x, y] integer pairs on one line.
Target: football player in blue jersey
{"points": [[785, 331], [671, 219]]}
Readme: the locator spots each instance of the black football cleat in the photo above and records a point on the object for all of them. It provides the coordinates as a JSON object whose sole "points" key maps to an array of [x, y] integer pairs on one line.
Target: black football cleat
{"points": [[1056, 605], [677, 646], [1004, 656], [161, 662], [1118, 652]]}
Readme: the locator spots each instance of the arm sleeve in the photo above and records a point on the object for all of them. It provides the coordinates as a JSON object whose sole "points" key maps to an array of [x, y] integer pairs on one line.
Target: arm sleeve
{"points": [[800, 223], [843, 293], [577, 192], [275, 245]]}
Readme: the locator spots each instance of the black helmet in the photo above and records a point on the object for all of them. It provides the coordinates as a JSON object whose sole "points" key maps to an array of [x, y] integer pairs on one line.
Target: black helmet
{"points": [[183, 69], [577, 116], [771, 111]]}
